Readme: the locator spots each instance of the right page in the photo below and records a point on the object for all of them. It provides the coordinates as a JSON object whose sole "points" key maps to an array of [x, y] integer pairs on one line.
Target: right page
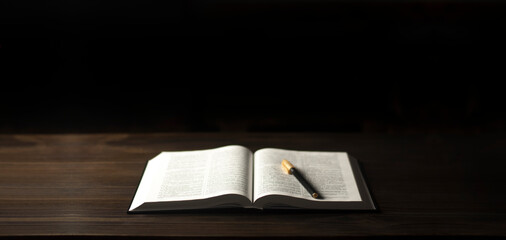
{"points": [[330, 173]]}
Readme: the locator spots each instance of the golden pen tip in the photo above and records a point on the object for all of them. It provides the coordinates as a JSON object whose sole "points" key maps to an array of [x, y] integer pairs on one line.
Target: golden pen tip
{"points": [[286, 166], [315, 195]]}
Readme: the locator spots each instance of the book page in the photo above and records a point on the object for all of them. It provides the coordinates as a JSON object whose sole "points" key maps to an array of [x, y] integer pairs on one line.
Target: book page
{"points": [[202, 174], [329, 173]]}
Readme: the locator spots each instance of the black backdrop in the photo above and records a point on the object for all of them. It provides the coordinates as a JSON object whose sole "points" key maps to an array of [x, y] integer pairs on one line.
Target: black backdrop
{"points": [[397, 21], [254, 65]]}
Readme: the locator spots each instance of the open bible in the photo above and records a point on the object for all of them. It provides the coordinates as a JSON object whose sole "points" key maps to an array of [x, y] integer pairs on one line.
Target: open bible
{"points": [[233, 176]]}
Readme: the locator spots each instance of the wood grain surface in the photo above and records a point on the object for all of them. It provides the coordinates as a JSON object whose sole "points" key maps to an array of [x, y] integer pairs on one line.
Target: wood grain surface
{"points": [[81, 185]]}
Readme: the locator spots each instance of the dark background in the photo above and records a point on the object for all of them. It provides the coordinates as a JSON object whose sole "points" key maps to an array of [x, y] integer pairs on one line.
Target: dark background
{"points": [[252, 65]]}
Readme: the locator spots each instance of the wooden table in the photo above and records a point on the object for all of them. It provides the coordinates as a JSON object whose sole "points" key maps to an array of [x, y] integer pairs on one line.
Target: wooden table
{"points": [[80, 186]]}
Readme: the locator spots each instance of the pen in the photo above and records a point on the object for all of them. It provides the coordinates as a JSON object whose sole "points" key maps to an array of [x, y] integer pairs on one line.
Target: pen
{"points": [[290, 169]]}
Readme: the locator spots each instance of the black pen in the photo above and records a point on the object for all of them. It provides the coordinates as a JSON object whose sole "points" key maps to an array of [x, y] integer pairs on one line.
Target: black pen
{"points": [[290, 169]]}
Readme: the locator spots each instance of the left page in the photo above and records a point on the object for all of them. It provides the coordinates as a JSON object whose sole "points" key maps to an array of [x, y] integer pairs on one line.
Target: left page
{"points": [[196, 179]]}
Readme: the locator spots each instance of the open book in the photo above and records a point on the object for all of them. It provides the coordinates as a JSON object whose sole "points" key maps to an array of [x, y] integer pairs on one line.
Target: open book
{"points": [[233, 176]]}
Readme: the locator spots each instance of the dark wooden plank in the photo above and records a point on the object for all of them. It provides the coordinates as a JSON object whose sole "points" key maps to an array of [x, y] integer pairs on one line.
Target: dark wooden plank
{"points": [[81, 186]]}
